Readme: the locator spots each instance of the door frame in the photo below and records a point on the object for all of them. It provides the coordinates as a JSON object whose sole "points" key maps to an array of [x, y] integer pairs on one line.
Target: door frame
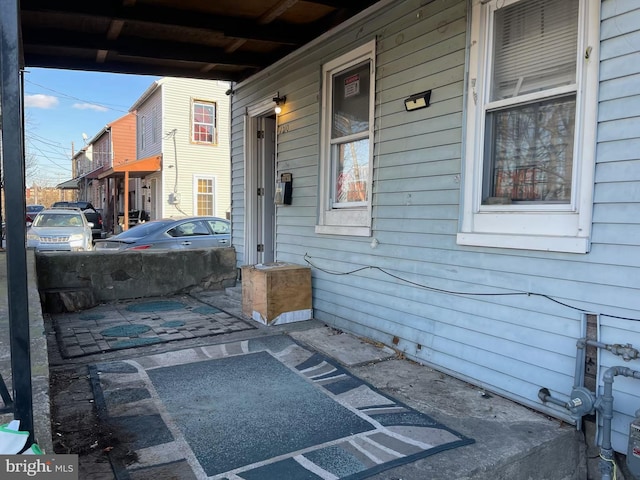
{"points": [[259, 109]]}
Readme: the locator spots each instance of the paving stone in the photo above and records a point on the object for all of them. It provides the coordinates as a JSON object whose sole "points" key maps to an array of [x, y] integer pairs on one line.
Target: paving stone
{"points": [[75, 351]]}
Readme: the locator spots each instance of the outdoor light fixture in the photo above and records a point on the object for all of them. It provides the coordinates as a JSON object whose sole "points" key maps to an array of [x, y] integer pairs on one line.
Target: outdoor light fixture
{"points": [[279, 101], [417, 101]]}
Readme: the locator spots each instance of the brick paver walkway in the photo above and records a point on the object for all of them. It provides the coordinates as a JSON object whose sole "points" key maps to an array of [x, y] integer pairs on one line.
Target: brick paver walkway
{"points": [[135, 323]]}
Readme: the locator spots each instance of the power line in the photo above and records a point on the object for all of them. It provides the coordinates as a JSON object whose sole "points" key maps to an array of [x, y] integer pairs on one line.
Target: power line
{"points": [[465, 294], [46, 141], [45, 156], [104, 105], [50, 152]]}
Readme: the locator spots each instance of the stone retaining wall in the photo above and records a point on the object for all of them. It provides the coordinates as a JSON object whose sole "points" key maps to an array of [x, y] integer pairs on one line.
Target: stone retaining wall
{"points": [[79, 280]]}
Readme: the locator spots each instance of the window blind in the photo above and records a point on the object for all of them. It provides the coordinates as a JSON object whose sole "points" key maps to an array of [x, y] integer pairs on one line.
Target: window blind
{"points": [[535, 47]]}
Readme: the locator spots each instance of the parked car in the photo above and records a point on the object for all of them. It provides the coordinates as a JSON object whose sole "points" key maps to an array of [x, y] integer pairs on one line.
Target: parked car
{"points": [[92, 214], [32, 211], [60, 229], [172, 234]]}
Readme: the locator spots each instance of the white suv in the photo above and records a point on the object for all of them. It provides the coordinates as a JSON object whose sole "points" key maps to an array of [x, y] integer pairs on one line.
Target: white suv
{"points": [[60, 229]]}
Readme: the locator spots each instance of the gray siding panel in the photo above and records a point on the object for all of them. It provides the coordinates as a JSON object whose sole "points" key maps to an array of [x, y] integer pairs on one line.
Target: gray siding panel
{"points": [[620, 87], [506, 320]]}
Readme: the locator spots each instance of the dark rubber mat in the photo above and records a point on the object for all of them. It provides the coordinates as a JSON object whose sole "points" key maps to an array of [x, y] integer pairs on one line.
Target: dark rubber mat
{"points": [[259, 409]]}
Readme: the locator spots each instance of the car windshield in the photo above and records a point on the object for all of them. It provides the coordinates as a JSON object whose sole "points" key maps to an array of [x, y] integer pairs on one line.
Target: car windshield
{"points": [[143, 229], [58, 220], [34, 208]]}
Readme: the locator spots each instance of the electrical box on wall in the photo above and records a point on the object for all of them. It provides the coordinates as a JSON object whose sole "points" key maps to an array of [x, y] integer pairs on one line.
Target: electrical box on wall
{"points": [[284, 189], [174, 198]]}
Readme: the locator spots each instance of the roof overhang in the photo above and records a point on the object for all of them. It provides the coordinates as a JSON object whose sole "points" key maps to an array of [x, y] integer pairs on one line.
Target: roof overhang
{"points": [[69, 184], [93, 174], [222, 40], [137, 169]]}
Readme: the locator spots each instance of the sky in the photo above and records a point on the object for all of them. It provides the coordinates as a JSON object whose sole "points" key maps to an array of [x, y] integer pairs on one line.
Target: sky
{"points": [[61, 105]]}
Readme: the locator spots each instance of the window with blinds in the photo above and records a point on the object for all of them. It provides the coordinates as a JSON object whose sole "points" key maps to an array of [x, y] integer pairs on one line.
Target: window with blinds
{"points": [[535, 47], [532, 103], [531, 123]]}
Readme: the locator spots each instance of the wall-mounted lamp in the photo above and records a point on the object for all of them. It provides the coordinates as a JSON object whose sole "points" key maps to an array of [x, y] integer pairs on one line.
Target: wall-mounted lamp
{"points": [[278, 100], [417, 101], [144, 187]]}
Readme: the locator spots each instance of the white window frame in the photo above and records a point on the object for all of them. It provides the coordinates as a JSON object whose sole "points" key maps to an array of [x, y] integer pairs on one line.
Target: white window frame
{"points": [[196, 193], [346, 220], [548, 227], [214, 123]]}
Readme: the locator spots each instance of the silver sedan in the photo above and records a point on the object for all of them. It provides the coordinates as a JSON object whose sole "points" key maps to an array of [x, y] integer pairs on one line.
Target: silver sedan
{"points": [[171, 234]]}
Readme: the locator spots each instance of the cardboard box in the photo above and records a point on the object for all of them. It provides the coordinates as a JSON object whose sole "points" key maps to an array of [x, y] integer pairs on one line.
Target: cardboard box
{"points": [[276, 293]]}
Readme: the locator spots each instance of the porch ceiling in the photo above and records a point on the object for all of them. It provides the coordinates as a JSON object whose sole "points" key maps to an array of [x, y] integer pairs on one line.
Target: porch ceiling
{"points": [[221, 39]]}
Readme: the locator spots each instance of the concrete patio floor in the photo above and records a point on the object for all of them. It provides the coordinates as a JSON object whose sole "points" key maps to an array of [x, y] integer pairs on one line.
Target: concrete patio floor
{"points": [[511, 441]]}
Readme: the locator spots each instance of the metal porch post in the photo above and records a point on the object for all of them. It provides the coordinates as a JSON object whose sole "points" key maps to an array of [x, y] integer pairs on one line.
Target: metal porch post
{"points": [[14, 172]]}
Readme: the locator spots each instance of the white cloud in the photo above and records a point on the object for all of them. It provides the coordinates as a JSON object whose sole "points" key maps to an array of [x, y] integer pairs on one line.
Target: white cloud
{"points": [[90, 106], [40, 101]]}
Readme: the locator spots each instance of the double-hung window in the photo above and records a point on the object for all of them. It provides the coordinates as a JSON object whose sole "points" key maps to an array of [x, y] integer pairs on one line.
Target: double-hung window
{"points": [[203, 129], [205, 192], [531, 121], [346, 152]]}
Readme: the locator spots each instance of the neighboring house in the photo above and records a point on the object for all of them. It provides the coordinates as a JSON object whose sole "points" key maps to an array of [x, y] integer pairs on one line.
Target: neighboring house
{"points": [[98, 169], [83, 172], [114, 152], [185, 122], [475, 165]]}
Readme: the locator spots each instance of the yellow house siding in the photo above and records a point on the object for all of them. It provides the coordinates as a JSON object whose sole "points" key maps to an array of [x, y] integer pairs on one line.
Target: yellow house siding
{"points": [[184, 160]]}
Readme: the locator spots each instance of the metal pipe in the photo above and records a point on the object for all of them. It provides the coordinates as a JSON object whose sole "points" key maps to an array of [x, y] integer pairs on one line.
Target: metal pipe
{"points": [[627, 352], [545, 395], [606, 408], [578, 379]]}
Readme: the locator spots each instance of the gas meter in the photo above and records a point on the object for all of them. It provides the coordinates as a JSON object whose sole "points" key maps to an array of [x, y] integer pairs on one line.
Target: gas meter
{"points": [[633, 452]]}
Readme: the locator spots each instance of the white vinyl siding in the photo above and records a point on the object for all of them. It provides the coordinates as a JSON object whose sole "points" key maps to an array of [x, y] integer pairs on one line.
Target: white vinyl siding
{"points": [[155, 124], [512, 344], [183, 160], [143, 132], [152, 107], [616, 210]]}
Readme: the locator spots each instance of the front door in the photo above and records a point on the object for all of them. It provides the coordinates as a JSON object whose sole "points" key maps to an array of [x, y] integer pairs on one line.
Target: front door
{"points": [[259, 183], [265, 207]]}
